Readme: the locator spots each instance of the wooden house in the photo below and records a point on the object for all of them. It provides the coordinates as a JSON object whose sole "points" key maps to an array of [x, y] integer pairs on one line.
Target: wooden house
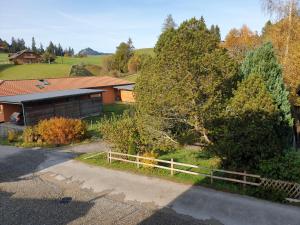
{"points": [[25, 57]]}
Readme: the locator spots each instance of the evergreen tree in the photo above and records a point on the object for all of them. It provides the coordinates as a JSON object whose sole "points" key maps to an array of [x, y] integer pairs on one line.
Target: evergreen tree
{"points": [[169, 23], [51, 48], [185, 85], [41, 49], [123, 53], [33, 45], [13, 46], [247, 133], [216, 30], [60, 51], [263, 61]]}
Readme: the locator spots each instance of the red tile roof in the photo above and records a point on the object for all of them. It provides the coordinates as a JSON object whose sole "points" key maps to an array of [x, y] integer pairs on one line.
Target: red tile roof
{"points": [[18, 87]]}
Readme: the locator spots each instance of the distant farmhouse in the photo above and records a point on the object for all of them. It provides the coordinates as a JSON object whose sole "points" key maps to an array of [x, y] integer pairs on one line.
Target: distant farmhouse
{"points": [[25, 57], [76, 97]]}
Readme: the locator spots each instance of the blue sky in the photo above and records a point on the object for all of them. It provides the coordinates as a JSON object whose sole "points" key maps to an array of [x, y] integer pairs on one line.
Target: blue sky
{"points": [[103, 24]]}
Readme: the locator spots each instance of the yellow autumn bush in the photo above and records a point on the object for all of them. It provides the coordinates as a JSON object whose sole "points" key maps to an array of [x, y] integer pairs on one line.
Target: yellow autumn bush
{"points": [[59, 130]]}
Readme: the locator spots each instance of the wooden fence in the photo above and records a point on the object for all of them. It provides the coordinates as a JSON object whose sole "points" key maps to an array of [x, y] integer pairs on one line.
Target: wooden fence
{"points": [[291, 189]]}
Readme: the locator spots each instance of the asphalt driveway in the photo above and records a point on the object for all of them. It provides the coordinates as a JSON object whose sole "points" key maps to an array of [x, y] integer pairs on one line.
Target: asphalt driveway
{"points": [[34, 182], [30, 195]]}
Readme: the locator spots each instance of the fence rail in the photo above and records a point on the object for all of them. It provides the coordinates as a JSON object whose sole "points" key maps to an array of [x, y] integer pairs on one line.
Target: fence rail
{"points": [[210, 172], [292, 190]]}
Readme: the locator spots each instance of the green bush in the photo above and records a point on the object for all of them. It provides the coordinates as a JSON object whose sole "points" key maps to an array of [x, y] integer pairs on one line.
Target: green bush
{"points": [[285, 167], [122, 132]]}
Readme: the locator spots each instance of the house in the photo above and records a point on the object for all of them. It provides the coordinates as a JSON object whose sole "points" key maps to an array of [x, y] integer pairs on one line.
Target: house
{"points": [[74, 97], [25, 57]]}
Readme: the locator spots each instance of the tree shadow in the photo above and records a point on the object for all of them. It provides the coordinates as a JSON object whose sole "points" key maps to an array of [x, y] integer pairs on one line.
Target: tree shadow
{"points": [[40, 211], [17, 163], [5, 66]]}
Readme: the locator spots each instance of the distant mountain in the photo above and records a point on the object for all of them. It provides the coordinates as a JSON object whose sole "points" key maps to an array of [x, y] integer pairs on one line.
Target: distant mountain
{"points": [[89, 51]]}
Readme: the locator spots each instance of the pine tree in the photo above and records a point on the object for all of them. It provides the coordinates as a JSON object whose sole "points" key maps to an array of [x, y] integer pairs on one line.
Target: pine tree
{"points": [[51, 48], [41, 49], [169, 23], [13, 46], [33, 45], [263, 61]]}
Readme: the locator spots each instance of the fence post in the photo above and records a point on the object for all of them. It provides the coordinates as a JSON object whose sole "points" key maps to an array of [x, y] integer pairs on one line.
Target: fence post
{"points": [[138, 160], [109, 156], [245, 180], [211, 176], [172, 167]]}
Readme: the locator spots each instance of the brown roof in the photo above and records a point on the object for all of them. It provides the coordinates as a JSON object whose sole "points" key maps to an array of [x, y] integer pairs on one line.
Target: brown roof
{"points": [[18, 87], [15, 55]]}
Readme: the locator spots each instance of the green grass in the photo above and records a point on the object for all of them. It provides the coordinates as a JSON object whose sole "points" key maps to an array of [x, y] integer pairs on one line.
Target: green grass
{"points": [[92, 60], [33, 71], [148, 51], [3, 58], [131, 77], [61, 68]]}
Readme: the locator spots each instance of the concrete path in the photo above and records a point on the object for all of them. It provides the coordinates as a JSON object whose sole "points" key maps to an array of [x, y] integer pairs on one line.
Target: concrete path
{"points": [[205, 205], [96, 146], [208, 205]]}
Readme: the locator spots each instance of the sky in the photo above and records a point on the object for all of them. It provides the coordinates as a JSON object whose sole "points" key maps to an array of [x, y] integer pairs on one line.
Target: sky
{"points": [[103, 24]]}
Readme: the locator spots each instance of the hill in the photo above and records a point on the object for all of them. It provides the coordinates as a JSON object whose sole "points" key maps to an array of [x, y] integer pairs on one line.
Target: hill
{"points": [[147, 51], [89, 51]]}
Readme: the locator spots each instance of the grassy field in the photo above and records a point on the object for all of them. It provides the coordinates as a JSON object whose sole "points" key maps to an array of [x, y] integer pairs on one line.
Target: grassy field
{"points": [[33, 71], [148, 51], [61, 67], [93, 60], [3, 58]]}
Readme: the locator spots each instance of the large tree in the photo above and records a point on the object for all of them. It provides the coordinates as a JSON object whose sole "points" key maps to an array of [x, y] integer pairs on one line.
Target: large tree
{"points": [[277, 33], [263, 61], [123, 53], [239, 41], [185, 85], [247, 131], [33, 45]]}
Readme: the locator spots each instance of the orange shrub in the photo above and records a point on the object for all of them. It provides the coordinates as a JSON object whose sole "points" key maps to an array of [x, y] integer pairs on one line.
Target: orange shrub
{"points": [[59, 130]]}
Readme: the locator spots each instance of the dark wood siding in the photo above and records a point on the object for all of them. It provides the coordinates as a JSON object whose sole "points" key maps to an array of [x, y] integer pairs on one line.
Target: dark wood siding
{"points": [[69, 108]]}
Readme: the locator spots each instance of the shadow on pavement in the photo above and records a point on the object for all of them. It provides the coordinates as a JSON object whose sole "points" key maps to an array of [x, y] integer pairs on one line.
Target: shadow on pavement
{"points": [[40, 211], [24, 162]]}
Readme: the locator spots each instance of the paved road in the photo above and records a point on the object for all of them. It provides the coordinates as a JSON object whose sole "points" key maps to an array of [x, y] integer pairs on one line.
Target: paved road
{"points": [[31, 195], [102, 196]]}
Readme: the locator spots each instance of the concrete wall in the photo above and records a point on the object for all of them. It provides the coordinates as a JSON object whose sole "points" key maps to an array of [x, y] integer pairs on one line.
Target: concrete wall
{"points": [[127, 96], [7, 110]]}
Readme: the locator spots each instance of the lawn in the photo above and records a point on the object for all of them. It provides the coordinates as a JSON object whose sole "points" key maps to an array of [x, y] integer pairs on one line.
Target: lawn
{"points": [[148, 51], [93, 60], [61, 68], [33, 71], [3, 58]]}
